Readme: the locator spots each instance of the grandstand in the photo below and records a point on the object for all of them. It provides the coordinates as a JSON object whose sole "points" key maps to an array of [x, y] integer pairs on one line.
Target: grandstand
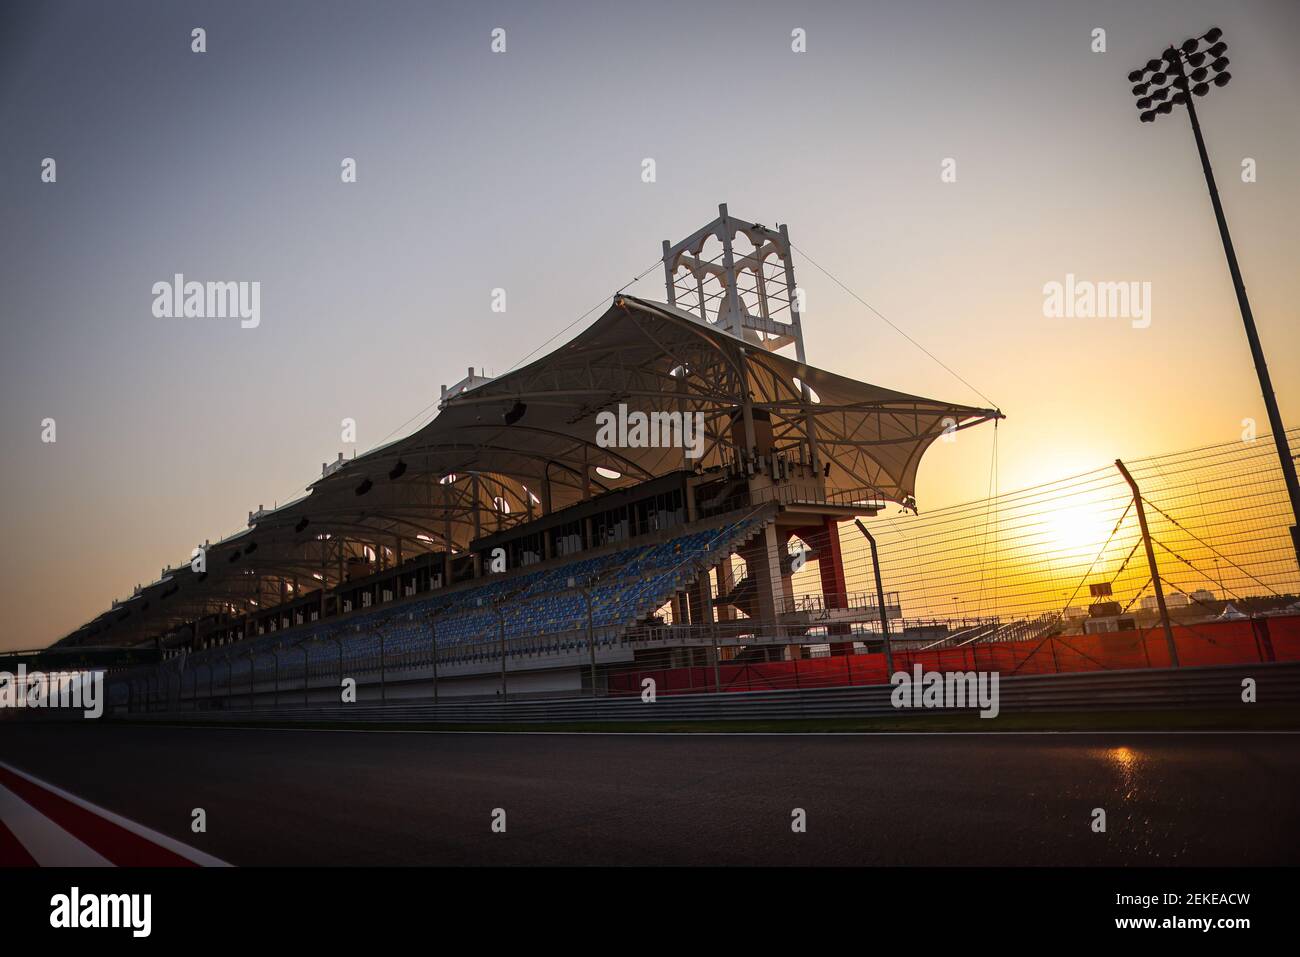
{"points": [[508, 547]]}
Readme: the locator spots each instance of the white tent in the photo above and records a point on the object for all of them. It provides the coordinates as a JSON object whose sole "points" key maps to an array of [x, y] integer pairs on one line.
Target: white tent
{"points": [[1231, 614]]}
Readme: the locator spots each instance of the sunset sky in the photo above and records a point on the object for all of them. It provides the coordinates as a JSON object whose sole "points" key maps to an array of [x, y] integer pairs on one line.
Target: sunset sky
{"points": [[522, 171]]}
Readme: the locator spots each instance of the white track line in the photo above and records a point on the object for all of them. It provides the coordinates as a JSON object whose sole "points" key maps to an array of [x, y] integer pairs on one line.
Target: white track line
{"points": [[162, 840], [44, 840]]}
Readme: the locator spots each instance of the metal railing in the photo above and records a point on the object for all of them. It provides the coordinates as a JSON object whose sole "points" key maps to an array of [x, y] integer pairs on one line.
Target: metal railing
{"points": [[245, 673], [795, 493], [1215, 687], [863, 601]]}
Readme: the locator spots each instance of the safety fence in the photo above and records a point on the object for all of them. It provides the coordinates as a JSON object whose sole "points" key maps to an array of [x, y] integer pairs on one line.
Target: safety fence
{"points": [[1218, 519]]}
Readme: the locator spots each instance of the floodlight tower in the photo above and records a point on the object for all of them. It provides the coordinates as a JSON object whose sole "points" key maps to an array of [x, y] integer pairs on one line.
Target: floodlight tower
{"points": [[749, 292], [1170, 84]]}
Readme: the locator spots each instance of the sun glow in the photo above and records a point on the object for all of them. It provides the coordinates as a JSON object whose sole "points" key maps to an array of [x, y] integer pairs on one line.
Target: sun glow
{"points": [[1075, 528]]}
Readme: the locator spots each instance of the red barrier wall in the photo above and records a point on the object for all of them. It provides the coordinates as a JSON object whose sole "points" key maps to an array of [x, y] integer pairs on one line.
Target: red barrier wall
{"points": [[1210, 643]]}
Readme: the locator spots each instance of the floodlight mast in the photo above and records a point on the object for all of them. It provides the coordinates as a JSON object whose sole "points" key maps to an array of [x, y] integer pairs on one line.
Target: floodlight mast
{"points": [[748, 293], [1183, 93]]}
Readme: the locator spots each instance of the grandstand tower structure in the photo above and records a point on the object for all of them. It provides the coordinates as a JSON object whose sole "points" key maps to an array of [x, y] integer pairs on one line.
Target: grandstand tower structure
{"points": [[517, 533]]}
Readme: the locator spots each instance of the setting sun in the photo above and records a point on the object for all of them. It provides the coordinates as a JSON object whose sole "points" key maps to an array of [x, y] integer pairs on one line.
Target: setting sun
{"points": [[1075, 528]]}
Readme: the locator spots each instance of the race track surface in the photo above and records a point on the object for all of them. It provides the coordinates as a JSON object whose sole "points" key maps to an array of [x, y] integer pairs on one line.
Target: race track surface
{"points": [[334, 797]]}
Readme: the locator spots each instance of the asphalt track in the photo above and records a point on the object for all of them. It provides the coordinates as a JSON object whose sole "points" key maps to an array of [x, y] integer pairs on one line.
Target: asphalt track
{"points": [[331, 797]]}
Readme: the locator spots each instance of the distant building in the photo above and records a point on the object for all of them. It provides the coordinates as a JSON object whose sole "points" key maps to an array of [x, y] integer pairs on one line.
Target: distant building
{"points": [[1176, 599]]}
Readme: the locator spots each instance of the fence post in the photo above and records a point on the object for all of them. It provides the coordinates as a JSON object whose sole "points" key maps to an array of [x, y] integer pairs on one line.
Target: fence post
{"points": [[1151, 561], [880, 598]]}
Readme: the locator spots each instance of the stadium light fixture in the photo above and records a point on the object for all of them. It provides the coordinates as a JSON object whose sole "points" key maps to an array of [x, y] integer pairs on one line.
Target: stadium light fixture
{"points": [[1172, 65]]}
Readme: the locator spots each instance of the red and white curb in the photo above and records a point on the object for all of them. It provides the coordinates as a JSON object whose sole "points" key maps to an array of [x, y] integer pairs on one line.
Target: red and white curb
{"points": [[42, 825]]}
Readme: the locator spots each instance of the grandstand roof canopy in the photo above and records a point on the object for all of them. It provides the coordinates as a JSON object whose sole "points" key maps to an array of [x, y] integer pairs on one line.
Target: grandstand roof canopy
{"points": [[468, 469]]}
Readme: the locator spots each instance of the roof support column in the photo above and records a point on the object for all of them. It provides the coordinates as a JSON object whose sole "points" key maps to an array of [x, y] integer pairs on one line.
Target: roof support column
{"points": [[699, 596], [338, 591], [746, 405], [726, 584], [764, 568], [476, 560], [446, 534], [830, 564]]}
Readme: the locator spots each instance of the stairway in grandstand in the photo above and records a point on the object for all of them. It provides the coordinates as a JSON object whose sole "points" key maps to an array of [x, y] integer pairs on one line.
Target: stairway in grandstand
{"points": [[626, 586], [991, 632], [743, 596], [1029, 629]]}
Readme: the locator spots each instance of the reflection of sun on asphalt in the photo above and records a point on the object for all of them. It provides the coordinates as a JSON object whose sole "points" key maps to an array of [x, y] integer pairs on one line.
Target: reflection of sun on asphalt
{"points": [[1127, 763]]}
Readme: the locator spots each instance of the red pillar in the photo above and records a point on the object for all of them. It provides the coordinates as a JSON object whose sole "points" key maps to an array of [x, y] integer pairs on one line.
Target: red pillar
{"points": [[830, 563]]}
